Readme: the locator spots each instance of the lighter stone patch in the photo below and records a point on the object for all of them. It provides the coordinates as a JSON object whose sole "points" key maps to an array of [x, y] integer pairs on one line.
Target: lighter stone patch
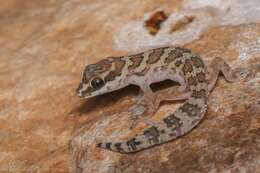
{"points": [[32, 86]]}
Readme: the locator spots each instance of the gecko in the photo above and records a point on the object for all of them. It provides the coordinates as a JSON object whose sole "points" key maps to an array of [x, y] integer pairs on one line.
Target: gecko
{"points": [[195, 76]]}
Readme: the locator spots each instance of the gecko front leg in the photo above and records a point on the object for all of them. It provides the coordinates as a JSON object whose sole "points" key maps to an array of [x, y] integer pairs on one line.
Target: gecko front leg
{"points": [[145, 100], [148, 104]]}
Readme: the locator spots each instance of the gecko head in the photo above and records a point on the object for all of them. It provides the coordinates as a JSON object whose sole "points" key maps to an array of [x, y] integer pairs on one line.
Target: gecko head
{"points": [[94, 80]]}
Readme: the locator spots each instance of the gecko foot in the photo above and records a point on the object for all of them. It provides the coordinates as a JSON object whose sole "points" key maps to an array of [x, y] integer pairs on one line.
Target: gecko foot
{"points": [[138, 112]]}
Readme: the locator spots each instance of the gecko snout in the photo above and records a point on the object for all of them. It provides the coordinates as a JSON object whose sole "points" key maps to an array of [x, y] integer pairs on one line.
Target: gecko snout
{"points": [[78, 91], [79, 94]]}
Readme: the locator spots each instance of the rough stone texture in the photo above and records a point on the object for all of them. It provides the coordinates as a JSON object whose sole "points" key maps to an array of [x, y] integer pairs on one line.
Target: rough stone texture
{"points": [[45, 128]]}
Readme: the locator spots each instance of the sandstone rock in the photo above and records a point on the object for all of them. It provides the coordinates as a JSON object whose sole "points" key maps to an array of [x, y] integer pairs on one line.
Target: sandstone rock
{"points": [[45, 45]]}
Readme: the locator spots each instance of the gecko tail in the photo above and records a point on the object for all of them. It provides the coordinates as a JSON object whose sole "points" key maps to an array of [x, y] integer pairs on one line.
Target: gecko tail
{"points": [[171, 127], [117, 147], [159, 133]]}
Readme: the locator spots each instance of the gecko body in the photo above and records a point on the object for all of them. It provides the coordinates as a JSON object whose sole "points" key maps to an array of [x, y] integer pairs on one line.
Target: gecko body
{"points": [[174, 63]]}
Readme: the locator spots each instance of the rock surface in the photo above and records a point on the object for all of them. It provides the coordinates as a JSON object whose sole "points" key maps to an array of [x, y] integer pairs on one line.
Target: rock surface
{"points": [[45, 45]]}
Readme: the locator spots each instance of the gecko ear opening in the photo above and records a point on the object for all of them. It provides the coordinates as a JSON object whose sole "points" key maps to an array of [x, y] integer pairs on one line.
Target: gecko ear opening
{"points": [[97, 83]]}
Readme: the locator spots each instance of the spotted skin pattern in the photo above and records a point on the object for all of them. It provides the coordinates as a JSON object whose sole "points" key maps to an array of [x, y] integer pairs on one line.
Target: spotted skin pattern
{"points": [[143, 69]]}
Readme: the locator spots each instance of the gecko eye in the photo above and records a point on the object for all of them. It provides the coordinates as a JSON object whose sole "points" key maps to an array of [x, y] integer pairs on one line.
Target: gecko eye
{"points": [[97, 83]]}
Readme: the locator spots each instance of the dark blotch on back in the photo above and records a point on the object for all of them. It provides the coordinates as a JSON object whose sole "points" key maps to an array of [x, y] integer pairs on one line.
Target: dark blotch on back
{"points": [[155, 55], [136, 60], [173, 55], [119, 65]]}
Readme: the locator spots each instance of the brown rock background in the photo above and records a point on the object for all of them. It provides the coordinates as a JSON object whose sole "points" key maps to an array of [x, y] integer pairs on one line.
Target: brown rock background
{"points": [[44, 46]]}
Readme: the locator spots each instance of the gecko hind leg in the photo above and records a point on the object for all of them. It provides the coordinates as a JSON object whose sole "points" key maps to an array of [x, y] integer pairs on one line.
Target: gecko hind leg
{"points": [[215, 67]]}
